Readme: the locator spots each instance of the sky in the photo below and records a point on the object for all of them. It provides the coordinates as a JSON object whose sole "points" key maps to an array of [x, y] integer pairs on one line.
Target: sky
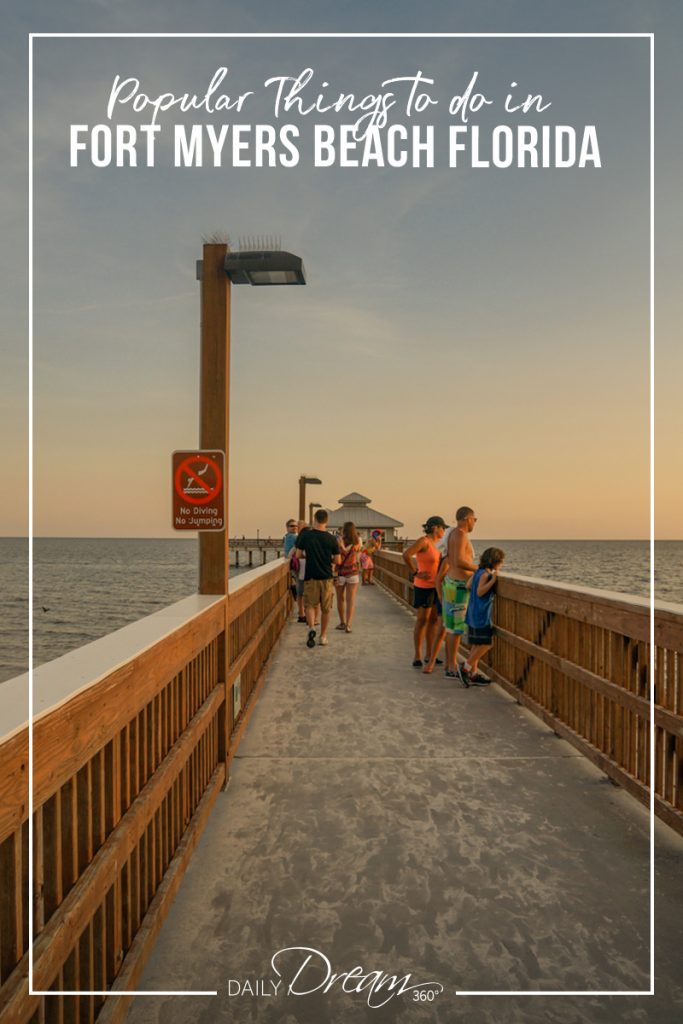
{"points": [[466, 335]]}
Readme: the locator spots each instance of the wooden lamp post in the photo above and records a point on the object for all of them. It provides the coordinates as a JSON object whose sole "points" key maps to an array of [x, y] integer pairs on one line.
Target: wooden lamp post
{"points": [[221, 267]]}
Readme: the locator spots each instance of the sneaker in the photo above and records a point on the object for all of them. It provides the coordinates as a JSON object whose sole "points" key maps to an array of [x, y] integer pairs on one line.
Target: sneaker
{"points": [[311, 638], [463, 675], [417, 663], [479, 680], [450, 674], [323, 641]]}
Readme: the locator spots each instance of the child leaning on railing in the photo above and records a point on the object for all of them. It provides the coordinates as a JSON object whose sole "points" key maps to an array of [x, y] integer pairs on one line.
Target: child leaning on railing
{"points": [[479, 614]]}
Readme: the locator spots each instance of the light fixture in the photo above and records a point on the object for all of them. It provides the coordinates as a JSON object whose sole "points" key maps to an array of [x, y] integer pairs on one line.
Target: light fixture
{"points": [[264, 267]]}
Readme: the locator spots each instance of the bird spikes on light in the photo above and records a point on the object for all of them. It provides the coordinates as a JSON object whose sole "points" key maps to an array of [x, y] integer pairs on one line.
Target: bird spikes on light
{"points": [[217, 238], [258, 243]]}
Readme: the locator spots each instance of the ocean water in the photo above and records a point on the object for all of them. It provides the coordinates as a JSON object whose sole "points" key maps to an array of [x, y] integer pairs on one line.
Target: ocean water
{"points": [[86, 588]]}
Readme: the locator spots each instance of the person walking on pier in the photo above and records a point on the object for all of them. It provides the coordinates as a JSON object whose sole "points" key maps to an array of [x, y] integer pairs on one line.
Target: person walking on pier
{"points": [[423, 559], [348, 575], [298, 570], [367, 564], [289, 544], [321, 551], [479, 614], [289, 539], [451, 585]]}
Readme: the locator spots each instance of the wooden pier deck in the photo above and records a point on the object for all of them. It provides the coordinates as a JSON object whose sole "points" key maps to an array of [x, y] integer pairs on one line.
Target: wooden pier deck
{"points": [[390, 822], [395, 821]]}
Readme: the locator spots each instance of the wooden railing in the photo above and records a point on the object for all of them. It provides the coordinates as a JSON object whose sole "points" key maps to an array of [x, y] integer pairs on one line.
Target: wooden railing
{"points": [[580, 660], [129, 755]]}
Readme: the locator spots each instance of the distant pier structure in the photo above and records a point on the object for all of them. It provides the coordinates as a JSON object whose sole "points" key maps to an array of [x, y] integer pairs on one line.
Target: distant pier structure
{"points": [[356, 508], [250, 551]]}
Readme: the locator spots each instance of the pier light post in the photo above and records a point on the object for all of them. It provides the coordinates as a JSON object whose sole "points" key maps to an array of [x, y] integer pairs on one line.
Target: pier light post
{"points": [[303, 480], [311, 506], [219, 268]]}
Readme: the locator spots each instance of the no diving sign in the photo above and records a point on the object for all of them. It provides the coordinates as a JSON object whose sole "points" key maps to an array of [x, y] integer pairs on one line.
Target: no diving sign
{"points": [[198, 491]]}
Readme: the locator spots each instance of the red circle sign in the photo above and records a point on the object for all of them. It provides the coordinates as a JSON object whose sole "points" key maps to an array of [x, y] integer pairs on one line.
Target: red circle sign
{"points": [[207, 491]]}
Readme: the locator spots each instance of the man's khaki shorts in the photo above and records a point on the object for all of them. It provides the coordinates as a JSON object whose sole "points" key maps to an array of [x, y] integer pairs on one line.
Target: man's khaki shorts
{"points": [[318, 592]]}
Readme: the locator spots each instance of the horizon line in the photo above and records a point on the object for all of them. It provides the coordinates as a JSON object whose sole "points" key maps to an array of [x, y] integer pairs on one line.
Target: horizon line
{"points": [[195, 533]]}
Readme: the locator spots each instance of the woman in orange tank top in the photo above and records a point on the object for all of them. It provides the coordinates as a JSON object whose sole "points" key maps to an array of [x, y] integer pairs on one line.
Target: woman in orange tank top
{"points": [[423, 559]]}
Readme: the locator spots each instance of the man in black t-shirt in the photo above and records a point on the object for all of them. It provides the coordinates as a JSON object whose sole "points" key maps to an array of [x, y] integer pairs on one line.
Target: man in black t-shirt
{"points": [[321, 551]]}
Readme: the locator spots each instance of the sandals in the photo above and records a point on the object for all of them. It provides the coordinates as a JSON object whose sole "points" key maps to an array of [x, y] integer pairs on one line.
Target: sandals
{"points": [[342, 625]]}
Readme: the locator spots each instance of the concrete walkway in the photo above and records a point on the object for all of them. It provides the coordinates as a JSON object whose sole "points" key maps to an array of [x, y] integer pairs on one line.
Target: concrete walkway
{"points": [[392, 820]]}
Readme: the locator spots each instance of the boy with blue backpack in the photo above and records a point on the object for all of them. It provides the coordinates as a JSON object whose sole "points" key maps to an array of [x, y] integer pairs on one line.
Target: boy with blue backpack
{"points": [[479, 615]]}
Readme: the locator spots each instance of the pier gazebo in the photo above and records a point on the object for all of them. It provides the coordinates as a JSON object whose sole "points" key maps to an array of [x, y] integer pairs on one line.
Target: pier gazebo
{"points": [[356, 507]]}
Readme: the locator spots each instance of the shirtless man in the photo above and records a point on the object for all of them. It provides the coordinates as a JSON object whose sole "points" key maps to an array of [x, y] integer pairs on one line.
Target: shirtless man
{"points": [[451, 584]]}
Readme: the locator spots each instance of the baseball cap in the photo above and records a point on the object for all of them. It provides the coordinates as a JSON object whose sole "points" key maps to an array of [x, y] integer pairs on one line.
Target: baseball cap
{"points": [[434, 521]]}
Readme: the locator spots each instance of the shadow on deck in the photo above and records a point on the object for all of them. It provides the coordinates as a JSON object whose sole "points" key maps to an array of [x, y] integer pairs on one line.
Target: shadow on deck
{"points": [[390, 819]]}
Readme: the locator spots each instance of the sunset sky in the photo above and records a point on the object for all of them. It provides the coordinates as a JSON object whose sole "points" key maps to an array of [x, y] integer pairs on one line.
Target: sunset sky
{"points": [[466, 336]]}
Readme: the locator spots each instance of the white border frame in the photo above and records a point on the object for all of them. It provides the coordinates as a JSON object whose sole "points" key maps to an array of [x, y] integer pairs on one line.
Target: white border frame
{"points": [[343, 35]]}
